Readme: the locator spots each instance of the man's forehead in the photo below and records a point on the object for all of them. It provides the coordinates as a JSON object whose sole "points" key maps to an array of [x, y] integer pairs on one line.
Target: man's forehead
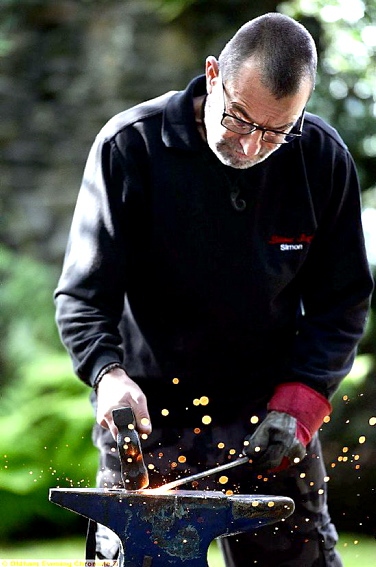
{"points": [[252, 72]]}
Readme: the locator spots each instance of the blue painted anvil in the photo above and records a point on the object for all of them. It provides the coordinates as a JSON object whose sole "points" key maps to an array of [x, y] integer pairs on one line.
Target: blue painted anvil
{"points": [[171, 528]]}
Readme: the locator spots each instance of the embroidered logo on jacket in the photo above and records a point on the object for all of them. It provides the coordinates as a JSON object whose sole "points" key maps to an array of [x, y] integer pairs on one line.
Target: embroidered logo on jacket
{"points": [[287, 243]]}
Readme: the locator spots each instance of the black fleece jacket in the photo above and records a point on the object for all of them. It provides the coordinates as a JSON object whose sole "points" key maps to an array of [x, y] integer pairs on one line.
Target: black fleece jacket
{"points": [[181, 267]]}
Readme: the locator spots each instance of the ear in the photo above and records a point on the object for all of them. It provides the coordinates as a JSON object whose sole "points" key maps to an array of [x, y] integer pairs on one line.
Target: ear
{"points": [[211, 72]]}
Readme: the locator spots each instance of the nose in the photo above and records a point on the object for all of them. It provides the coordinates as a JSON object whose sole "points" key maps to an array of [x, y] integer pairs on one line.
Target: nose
{"points": [[251, 143]]}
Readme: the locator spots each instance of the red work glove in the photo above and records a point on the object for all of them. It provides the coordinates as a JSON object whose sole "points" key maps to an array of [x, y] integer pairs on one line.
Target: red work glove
{"points": [[295, 413]]}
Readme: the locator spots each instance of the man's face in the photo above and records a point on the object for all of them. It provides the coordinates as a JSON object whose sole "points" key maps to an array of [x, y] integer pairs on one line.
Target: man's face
{"points": [[251, 102]]}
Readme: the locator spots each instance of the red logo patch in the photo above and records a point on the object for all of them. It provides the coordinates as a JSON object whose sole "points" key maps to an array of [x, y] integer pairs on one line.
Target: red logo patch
{"points": [[302, 238]]}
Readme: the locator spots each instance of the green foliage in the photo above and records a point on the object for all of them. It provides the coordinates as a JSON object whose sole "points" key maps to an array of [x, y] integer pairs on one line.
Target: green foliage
{"points": [[27, 324], [45, 414], [169, 10], [345, 34], [46, 421], [348, 444]]}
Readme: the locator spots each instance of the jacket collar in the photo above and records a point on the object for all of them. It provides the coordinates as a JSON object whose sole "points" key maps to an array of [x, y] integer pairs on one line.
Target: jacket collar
{"points": [[179, 129]]}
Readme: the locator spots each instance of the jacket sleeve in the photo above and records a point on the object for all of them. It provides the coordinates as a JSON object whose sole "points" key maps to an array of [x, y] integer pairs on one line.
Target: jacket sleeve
{"points": [[337, 286], [89, 296]]}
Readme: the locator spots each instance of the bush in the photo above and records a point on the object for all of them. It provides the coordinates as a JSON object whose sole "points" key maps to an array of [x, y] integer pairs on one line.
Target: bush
{"points": [[45, 413]]}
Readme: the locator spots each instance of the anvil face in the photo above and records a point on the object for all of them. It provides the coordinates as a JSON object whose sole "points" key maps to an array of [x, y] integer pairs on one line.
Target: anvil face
{"points": [[174, 528]]}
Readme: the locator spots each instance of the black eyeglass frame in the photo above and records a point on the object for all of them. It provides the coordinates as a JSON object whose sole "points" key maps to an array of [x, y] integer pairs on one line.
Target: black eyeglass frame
{"points": [[289, 136]]}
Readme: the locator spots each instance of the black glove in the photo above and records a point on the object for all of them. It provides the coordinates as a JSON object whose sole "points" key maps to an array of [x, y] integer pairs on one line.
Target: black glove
{"points": [[274, 445], [295, 413]]}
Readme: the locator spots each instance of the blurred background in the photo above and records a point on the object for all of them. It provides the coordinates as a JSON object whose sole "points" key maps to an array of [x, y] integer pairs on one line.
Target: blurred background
{"points": [[66, 66]]}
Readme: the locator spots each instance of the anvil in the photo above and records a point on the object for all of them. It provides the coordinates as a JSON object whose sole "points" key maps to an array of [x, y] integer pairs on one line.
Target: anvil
{"points": [[171, 528]]}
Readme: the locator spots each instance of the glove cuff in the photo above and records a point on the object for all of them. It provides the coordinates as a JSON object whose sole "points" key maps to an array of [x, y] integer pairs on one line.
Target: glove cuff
{"points": [[308, 406]]}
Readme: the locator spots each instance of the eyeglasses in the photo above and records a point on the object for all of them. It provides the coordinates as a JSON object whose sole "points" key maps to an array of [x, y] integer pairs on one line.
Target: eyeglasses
{"points": [[239, 126]]}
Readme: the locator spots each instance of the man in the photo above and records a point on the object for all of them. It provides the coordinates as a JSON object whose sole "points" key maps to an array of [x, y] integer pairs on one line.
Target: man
{"points": [[216, 281]]}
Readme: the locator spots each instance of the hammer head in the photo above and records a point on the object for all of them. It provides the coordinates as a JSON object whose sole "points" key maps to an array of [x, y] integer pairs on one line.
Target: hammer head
{"points": [[133, 470]]}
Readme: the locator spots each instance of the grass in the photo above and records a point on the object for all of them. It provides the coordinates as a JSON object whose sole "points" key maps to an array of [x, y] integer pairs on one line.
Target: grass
{"points": [[356, 551]]}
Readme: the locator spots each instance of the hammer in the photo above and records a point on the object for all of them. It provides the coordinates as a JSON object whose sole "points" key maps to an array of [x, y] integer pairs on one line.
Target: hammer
{"points": [[133, 470]]}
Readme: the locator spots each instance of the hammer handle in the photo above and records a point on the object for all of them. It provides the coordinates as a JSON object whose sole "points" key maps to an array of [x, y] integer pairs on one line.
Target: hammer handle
{"points": [[133, 470]]}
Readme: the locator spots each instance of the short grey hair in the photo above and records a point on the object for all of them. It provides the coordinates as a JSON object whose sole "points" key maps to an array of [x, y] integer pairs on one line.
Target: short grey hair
{"points": [[283, 48]]}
